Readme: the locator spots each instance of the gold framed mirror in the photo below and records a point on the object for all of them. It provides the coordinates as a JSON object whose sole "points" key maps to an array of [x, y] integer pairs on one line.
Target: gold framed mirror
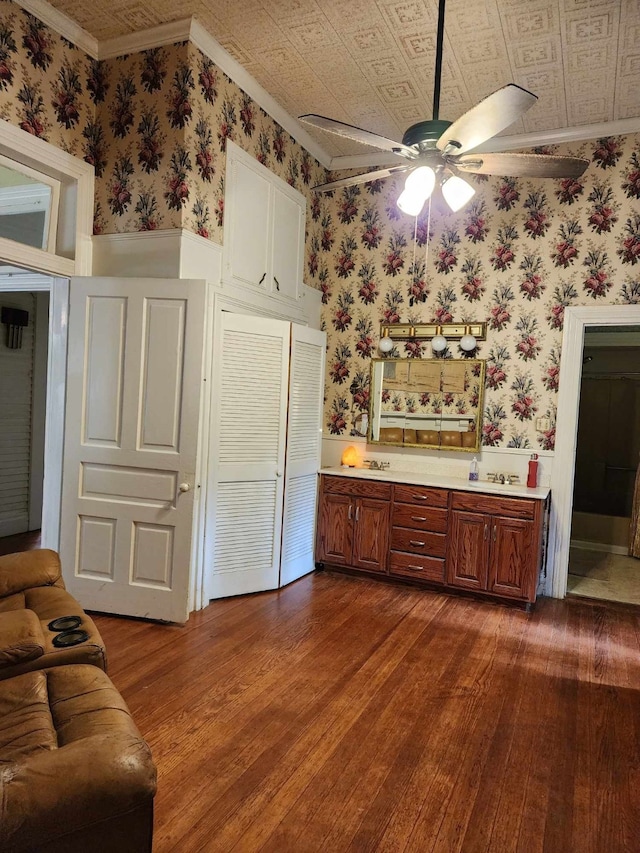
{"points": [[434, 403]]}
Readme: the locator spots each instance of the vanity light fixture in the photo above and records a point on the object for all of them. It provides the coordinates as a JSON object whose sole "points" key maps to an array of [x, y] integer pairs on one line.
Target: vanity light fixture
{"points": [[385, 343], [438, 333]]}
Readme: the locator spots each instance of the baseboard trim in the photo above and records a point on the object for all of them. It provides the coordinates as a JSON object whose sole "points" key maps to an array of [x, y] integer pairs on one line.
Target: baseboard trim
{"points": [[583, 545]]}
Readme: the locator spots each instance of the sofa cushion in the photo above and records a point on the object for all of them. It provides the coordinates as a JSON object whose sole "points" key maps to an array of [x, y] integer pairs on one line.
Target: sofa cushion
{"points": [[71, 761], [21, 638]]}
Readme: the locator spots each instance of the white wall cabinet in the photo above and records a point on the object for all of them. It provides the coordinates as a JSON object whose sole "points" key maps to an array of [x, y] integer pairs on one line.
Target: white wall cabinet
{"points": [[264, 225]]}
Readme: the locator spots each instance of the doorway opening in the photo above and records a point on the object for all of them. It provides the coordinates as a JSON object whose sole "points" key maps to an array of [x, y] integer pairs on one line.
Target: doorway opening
{"points": [[577, 322], [24, 347], [607, 453]]}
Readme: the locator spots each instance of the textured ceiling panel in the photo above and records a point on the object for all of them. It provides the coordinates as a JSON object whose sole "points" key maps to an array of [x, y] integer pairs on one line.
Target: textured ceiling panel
{"points": [[371, 62]]}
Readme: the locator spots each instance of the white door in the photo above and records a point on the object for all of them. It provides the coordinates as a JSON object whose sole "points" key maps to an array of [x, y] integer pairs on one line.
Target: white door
{"points": [[246, 457], [133, 394], [304, 437]]}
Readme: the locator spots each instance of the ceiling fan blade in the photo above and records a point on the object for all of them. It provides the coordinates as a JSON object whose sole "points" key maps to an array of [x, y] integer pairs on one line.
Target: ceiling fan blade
{"points": [[359, 135], [488, 117], [360, 179], [508, 165]]}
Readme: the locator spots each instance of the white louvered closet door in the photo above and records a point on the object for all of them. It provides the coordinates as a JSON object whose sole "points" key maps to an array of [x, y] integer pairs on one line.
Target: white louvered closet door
{"points": [[304, 435], [247, 455]]}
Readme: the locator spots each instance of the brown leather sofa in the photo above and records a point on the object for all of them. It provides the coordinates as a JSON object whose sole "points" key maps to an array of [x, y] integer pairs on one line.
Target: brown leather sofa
{"points": [[32, 594], [75, 774]]}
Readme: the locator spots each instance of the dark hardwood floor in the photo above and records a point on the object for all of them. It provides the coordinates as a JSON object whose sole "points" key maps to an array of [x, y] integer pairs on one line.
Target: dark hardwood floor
{"points": [[342, 714], [19, 542]]}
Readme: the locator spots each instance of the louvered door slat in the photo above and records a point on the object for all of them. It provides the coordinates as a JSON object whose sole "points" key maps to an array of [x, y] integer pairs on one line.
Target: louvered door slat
{"points": [[306, 389], [16, 374]]}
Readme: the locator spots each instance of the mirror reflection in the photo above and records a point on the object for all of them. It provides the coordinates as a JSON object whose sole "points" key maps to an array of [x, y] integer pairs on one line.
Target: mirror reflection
{"points": [[429, 403]]}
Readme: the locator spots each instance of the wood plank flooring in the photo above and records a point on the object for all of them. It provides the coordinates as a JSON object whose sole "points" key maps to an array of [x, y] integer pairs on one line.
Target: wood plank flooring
{"points": [[342, 714]]}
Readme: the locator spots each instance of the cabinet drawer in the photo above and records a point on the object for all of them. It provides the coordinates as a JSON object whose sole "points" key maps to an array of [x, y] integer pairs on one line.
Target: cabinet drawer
{"points": [[421, 495], [420, 518], [354, 486], [418, 542], [410, 566], [493, 504]]}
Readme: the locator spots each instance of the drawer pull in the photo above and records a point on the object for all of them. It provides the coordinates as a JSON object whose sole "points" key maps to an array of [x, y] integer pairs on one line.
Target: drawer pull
{"points": [[416, 543], [415, 568], [418, 518], [419, 497]]}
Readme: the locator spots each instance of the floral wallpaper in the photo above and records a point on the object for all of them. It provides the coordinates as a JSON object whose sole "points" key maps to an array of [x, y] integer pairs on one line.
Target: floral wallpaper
{"points": [[516, 256], [159, 142], [44, 81]]}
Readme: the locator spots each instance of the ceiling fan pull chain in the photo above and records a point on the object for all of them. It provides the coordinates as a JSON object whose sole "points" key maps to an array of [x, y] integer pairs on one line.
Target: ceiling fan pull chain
{"points": [[426, 254]]}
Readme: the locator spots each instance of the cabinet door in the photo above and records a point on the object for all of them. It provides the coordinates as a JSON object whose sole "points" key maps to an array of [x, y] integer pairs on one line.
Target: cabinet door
{"points": [[469, 550], [513, 558], [247, 225], [335, 529], [288, 243], [371, 535]]}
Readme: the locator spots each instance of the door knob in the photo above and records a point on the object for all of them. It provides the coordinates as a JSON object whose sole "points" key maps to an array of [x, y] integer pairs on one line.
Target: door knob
{"points": [[184, 487], [278, 473]]}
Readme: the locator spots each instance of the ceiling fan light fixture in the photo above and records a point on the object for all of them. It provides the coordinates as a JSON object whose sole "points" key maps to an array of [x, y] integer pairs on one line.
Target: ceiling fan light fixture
{"points": [[417, 189], [457, 192]]}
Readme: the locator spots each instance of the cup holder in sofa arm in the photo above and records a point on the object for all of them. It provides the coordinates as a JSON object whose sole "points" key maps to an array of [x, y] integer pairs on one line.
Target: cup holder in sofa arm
{"points": [[21, 638]]}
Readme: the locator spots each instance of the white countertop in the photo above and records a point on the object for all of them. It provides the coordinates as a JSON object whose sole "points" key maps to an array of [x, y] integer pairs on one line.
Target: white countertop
{"points": [[390, 475]]}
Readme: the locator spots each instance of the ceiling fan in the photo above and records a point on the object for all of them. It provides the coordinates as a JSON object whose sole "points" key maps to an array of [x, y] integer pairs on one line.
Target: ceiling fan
{"points": [[437, 149]]}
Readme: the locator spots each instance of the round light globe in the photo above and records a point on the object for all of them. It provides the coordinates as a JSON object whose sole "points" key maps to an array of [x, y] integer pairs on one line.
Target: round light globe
{"points": [[438, 343], [468, 343], [385, 344]]}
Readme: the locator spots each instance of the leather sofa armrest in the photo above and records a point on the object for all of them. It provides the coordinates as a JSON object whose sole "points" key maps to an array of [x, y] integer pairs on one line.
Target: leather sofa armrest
{"points": [[29, 569], [21, 637], [78, 785]]}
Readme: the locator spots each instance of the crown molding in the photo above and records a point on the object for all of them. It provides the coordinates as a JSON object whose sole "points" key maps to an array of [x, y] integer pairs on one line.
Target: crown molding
{"points": [[172, 33], [504, 143], [232, 68], [62, 24]]}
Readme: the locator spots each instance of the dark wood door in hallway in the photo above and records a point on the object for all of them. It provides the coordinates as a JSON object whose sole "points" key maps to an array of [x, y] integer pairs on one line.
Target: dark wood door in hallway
{"points": [[344, 714]]}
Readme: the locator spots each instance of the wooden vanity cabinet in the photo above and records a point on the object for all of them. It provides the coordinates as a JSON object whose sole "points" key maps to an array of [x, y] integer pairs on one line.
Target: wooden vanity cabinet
{"points": [[488, 544], [353, 523], [495, 545]]}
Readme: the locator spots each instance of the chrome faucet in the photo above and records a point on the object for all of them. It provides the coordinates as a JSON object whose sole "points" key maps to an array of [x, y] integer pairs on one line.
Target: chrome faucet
{"points": [[374, 465]]}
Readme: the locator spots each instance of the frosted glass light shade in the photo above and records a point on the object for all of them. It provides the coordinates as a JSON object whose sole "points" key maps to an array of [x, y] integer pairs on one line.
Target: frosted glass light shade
{"points": [[385, 344], [417, 189], [438, 343], [457, 192], [468, 343]]}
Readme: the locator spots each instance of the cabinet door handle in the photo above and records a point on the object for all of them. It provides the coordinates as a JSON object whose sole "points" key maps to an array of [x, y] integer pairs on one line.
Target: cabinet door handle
{"points": [[416, 543], [486, 531], [357, 513], [419, 497], [277, 283], [418, 518], [415, 568], [350, 509], [495, 532], [264, 275]]}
